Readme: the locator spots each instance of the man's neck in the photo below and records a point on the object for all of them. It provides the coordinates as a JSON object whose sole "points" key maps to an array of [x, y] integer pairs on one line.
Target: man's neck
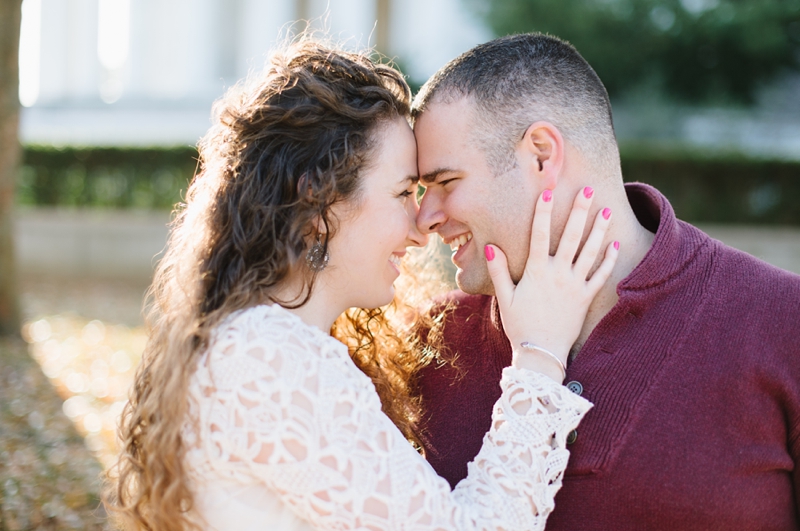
{"points": [[635, 242]]}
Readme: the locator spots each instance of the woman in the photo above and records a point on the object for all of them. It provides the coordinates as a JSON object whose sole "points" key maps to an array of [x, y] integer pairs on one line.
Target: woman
{"points": [[246, 413]]}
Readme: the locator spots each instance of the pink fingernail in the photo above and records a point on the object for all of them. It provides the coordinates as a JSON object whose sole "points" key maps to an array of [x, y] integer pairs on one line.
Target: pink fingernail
{"points": [[489, 252], [547, 195], [616, 246], [588, 192], [606, 213]]}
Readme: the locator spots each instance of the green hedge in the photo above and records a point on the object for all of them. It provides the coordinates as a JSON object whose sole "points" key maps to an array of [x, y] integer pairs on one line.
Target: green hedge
{"points": [[702, 188], [105, 177], [720, 188]]}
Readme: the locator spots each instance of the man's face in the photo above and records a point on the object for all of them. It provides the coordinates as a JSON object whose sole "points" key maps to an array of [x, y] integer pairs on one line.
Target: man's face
{"points": [[464, 201]]}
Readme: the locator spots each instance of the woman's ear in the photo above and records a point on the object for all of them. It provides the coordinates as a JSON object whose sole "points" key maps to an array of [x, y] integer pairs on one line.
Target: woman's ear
{"points": [[542, 153], [318, 229]]}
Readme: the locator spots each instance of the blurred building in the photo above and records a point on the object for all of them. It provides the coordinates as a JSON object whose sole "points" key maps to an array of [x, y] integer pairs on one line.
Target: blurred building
{"points": [[145, 72], [769, 129]]}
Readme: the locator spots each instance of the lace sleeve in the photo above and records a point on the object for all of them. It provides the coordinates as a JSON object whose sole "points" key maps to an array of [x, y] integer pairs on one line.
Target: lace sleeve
{"points": [[291, 410]]}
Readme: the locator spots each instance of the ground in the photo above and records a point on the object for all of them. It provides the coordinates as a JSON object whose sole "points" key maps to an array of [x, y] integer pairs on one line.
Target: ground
{"points": [[61, 389]]}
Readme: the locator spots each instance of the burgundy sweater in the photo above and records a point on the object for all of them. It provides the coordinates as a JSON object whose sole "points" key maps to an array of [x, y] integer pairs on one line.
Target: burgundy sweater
{"points": [[695, 378]]}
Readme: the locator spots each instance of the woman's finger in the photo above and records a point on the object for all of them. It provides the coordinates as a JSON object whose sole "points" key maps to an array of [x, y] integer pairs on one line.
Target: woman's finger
{"points": [[594, 242], [573, 231], [540, 231], [497, 264], [600, 276]]}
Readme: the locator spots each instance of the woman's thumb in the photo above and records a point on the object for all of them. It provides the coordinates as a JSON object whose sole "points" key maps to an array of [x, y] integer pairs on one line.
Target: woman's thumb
{"points": [[498, 271]]}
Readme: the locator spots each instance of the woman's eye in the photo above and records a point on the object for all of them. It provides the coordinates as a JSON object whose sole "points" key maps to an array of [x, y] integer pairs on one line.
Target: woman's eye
{"points": [[406, 193]]}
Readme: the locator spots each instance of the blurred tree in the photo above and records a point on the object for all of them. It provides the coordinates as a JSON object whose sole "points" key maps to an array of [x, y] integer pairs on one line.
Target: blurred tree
{"points": [[697, 50], [10, 18]]}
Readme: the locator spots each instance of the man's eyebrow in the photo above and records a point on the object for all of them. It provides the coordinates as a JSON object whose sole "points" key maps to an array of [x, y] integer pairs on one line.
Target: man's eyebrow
{"points": [[431, 176]]}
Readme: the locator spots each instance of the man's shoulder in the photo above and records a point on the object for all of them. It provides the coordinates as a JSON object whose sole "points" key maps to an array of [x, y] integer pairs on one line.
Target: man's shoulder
{"points": [[460, 306], [741, 284], [460, 318], [745, 271]]}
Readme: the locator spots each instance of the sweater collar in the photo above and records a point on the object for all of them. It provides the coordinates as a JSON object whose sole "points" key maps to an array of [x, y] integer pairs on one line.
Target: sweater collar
{"points": [[675, 246]]}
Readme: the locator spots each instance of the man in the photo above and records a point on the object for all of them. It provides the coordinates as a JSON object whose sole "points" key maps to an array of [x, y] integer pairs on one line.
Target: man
{"points": [[691, 351]]}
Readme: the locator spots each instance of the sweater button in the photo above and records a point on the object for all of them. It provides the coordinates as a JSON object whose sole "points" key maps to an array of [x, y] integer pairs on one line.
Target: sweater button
{"points": [[571, 436], [576, 387]]}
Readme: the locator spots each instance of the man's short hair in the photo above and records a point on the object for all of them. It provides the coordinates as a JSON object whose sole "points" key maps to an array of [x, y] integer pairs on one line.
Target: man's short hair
{"points": [[520, 79]]}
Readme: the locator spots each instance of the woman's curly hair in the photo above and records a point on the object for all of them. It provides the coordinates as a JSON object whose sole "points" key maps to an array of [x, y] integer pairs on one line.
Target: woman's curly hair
{"points": [[285, 147]]}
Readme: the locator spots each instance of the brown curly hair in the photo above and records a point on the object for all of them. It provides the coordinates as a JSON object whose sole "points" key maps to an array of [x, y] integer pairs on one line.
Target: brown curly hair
{"points": [[285, 147]]}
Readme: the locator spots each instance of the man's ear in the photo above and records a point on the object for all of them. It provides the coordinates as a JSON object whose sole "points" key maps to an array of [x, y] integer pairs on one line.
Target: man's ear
{"points": [[542, 152]]}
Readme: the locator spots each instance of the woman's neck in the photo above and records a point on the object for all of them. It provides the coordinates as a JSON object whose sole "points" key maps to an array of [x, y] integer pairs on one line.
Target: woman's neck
{"points": [[320, 310]]}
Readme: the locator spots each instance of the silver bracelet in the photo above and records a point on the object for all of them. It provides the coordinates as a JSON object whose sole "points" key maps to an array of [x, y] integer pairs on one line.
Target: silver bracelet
{"points": [[530, 346]]}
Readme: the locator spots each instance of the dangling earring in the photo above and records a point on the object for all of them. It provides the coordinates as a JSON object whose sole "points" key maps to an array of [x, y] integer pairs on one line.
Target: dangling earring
{"points": [[317, 257]]}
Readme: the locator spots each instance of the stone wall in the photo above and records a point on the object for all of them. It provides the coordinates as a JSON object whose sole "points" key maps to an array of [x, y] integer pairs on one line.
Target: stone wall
{"points": [[125, 244]]}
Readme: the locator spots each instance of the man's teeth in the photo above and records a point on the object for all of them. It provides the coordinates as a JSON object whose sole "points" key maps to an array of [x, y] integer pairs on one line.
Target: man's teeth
{"points": [[459, 241], [395, 260]]}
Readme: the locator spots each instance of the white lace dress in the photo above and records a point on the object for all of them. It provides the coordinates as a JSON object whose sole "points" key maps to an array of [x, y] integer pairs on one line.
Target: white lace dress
{"points": [[290, 435]]}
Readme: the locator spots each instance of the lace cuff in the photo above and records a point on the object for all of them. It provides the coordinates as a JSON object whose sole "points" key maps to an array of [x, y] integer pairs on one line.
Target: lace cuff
{"points": [[524, 455]]}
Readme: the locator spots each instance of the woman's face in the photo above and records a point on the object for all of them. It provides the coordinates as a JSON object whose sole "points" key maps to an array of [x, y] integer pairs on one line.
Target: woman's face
{"points": [[376, 228]]}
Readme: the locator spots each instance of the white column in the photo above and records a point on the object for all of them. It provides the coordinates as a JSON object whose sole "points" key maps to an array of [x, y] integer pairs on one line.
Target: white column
{"points": [[353, 22], [227, 21], [203, 56], [82, 73], [171, 49], [135, 87], [30, 43], [262, 26], [69, 65], [113, 48], [53, 50], [425, 34], [350, 23]]}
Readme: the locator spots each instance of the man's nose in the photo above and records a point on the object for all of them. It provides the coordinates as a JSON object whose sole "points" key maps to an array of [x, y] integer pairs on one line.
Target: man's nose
{"points": [[431, 216], [415, 236]]}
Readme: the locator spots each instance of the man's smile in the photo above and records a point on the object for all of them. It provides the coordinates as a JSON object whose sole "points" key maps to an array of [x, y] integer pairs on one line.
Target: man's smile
{"points": [[458, 241]]}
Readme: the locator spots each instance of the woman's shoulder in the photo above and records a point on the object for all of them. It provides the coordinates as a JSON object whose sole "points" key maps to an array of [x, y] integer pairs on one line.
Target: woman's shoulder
{"points": [[258, 341], [271, 325]]}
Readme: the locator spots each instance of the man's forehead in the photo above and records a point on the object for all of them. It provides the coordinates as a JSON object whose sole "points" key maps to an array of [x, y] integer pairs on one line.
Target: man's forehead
{"points": [[445, 139], [449, 112]]}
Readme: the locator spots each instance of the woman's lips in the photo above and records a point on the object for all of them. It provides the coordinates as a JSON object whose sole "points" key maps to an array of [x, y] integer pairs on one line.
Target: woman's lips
{"points": [[394, 260]]}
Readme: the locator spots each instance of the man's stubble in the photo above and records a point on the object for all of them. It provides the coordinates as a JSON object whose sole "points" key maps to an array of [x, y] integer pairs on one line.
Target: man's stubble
{"points": [[507, 224]]}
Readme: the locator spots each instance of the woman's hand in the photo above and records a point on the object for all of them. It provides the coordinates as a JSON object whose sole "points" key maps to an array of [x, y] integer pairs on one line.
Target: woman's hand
{"points": [[546, 309]]}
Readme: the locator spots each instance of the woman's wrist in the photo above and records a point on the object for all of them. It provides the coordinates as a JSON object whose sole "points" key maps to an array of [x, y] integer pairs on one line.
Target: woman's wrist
{"points": [[529, 356]]}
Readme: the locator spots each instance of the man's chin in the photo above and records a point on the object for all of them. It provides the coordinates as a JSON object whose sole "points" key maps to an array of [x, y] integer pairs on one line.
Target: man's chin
{"points": [[474, 284]]}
